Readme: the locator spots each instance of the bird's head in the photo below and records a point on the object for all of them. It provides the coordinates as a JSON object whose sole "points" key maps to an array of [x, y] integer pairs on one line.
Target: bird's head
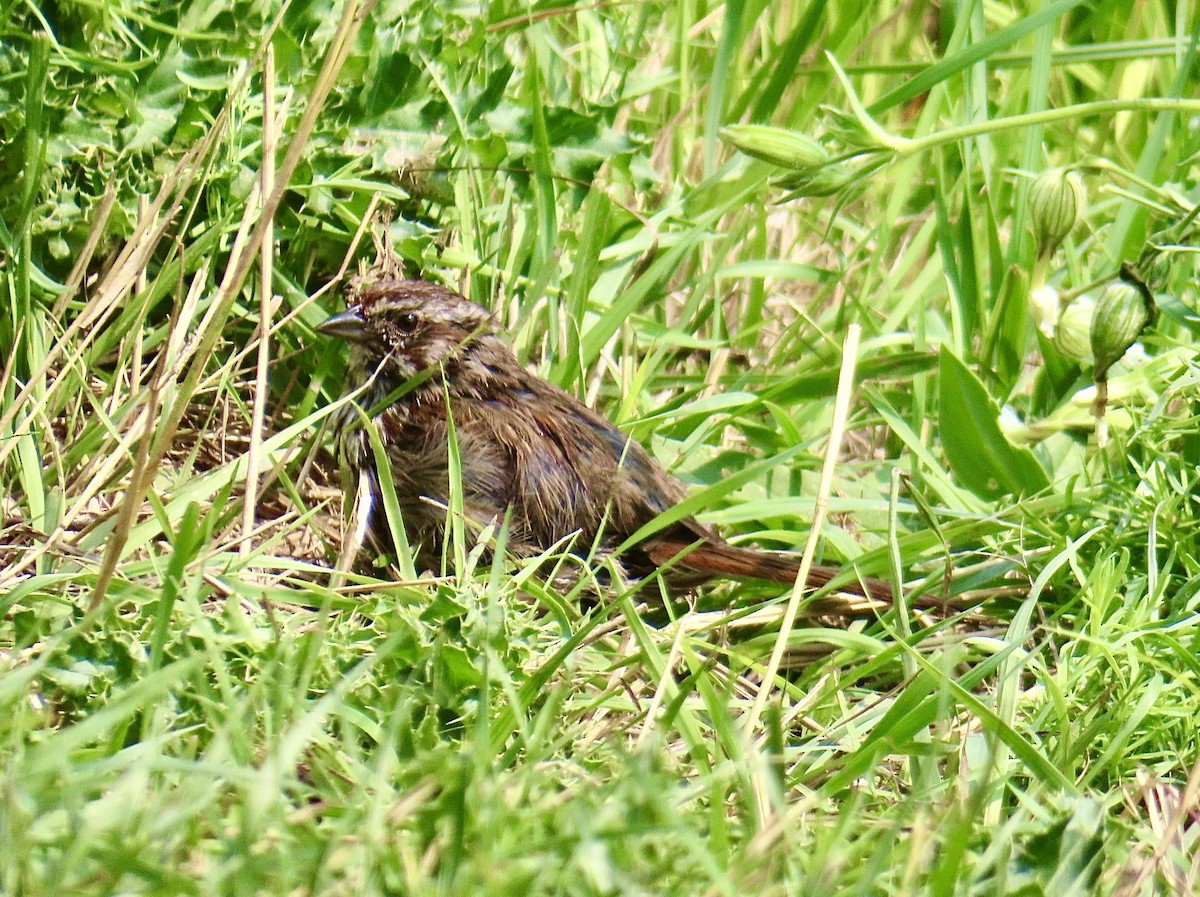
{"points": [[403, 327]]}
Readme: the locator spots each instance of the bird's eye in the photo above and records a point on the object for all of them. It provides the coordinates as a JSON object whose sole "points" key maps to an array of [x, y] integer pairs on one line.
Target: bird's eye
{"points": [[407, 322]]}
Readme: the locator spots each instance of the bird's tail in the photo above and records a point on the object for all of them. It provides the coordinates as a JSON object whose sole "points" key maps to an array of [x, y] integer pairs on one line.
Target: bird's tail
{"points": [[718, 559]]}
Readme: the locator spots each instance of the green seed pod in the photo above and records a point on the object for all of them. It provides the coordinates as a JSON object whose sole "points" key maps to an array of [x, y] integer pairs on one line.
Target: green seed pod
{"points": [[1072, 335], [1122, 313], [779, 146], [828, 180], [1057, 201]]}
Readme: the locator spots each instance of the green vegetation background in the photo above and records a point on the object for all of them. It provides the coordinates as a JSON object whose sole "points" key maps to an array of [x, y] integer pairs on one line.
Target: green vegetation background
{"points": [[191, 706]]}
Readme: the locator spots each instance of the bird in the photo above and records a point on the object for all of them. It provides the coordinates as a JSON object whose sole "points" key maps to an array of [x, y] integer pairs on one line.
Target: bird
{"points": [[431, 363]]}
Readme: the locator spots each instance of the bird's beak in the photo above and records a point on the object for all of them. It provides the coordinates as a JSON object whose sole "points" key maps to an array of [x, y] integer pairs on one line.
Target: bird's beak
{"points": [[348, 325]]}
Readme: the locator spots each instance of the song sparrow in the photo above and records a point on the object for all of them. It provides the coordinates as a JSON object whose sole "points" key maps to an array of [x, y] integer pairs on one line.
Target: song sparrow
{"points": [[524, 444]]}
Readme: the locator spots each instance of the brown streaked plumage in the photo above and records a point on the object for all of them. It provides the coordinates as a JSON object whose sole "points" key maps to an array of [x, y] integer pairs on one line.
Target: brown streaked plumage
{"points": [[564, 470]]}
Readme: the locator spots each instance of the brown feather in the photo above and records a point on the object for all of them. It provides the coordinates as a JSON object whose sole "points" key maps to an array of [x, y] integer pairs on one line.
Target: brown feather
{"points": [[723, 559]]}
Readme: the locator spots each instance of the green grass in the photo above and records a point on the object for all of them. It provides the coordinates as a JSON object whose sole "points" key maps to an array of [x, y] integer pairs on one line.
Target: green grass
{"points": [[190, 708]]}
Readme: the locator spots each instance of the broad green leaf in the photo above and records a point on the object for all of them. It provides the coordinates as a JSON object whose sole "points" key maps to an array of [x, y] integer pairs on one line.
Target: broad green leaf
{"points": [[969, 425]]}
